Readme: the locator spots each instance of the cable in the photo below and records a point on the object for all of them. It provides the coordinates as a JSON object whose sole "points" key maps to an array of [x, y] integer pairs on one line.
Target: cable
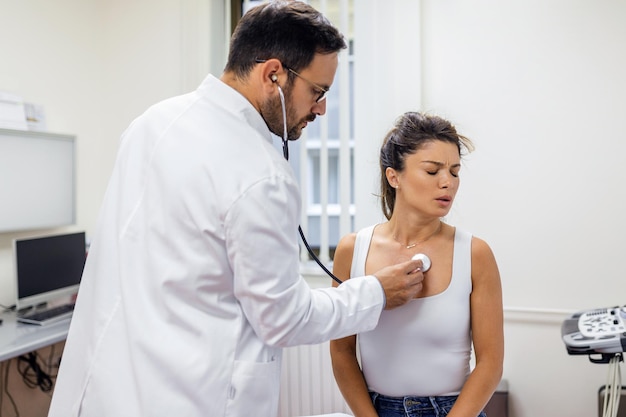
{"points": [[315, 258], [613, 387], [32, 373], [34, 376], [8, 308], [51, 365], [4, 369], [285, 141]]}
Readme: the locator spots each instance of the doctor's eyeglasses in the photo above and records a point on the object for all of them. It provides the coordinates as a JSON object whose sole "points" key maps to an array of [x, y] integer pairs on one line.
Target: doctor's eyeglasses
{"points": [[320, 91]]}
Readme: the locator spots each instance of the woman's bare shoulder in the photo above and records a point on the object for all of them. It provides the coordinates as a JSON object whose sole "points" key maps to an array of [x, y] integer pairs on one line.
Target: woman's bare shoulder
{"points": [[481, 249], [346, 245]]}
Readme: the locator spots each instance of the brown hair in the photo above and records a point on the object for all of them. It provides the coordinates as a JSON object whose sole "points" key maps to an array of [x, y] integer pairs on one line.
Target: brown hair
{"points": [[290, 31]]}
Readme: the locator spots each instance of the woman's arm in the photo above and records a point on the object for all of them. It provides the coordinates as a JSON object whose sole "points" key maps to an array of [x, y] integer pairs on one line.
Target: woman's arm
{"points": [[487, 333], [343, 351]]}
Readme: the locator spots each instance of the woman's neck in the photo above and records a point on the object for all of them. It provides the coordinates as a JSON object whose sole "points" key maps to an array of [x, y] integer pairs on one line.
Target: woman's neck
{"points": [[410, 236]]}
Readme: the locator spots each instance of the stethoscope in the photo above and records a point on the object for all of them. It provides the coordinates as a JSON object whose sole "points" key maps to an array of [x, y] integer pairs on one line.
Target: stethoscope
{"points": [[420, 256]]}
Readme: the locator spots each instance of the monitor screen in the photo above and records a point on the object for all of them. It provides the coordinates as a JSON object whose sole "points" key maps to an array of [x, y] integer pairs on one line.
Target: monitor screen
{"points": [[48, 268]]}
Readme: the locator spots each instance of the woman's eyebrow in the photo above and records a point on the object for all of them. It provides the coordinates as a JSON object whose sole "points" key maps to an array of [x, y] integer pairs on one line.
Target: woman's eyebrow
{"points": [[441, 164]]}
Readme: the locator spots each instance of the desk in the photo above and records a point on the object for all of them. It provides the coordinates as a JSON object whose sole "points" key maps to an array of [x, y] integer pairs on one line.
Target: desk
{"points": [[19, 338]]}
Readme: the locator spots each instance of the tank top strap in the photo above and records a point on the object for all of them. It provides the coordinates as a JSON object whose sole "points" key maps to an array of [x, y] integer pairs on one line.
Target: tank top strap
{"points": [[361, 249], [462, 260]]}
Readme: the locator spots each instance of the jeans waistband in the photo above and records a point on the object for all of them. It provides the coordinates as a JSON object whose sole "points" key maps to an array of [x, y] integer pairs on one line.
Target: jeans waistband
{"points": [[413, 403]]}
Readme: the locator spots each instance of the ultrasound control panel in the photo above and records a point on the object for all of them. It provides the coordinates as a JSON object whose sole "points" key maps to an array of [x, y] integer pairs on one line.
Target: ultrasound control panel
{"points": [[601, 330]]}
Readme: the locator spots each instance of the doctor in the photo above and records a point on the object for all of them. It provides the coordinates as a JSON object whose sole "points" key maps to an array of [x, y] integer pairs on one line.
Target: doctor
{"points": [[192, 283]]}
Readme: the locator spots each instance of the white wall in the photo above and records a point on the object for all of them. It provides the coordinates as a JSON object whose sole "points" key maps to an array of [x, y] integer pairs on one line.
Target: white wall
{"points": [[95, 65], [540, 88]]}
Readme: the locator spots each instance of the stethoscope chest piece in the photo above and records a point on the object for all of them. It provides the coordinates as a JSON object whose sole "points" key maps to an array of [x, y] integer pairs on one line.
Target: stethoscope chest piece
{"points": [[425, 261]]}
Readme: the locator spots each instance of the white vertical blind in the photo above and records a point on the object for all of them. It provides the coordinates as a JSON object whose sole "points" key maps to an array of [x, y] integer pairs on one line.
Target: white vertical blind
{"points": [[345, 187], [304, 179], [324, 252], [333, 179]]}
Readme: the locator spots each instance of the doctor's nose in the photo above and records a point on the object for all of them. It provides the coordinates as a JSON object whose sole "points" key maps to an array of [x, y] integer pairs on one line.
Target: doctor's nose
{"points": [[319, 108]]}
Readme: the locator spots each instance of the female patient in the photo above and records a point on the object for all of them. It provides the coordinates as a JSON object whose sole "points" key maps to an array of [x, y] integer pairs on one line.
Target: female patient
{"points": [[417, 361]]}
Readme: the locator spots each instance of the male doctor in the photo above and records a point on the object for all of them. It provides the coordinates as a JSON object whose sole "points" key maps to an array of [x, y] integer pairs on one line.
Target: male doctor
{"points": [[192, 286]]}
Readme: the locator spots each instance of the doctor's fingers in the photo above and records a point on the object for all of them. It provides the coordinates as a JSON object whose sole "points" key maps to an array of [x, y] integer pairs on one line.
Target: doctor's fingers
{"points": [[400, 286]]}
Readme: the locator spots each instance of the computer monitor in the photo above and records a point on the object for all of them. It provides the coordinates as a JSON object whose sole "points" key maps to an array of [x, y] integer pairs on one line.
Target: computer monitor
{"points": [[48, 268]]}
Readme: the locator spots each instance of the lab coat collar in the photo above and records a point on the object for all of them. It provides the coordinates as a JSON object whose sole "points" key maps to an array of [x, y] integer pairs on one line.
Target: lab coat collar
{"points": [[233, 101]]}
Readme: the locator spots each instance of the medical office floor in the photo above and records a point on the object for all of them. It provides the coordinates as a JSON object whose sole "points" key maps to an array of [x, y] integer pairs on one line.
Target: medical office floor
{"points": [[20, 396]]}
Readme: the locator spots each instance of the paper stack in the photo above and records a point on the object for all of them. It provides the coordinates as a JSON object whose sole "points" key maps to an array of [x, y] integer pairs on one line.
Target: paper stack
{"points": [[12, 113], [35, 116]]}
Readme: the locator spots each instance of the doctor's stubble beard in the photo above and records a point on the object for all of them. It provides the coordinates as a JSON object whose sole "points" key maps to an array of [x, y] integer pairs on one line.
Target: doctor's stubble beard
{"points": [[272, 113]]}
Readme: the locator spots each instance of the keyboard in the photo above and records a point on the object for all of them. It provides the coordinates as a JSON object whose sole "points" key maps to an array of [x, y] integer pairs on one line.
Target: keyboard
{"points": [[50, 315]]}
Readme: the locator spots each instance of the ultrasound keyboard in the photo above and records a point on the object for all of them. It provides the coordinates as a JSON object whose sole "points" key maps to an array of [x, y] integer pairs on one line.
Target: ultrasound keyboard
{"points": [[50, 315], [601, 330]]}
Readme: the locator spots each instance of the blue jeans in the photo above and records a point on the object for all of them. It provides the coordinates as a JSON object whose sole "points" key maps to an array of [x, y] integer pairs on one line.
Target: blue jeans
{"points": [[413, 406]]}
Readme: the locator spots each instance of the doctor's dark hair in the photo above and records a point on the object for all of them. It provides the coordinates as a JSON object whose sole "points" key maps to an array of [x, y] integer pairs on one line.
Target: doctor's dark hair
{"points": [[410, 132], [288, 30]]}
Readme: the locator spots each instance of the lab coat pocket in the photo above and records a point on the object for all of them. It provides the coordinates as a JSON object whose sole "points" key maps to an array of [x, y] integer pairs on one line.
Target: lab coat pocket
{"points": [[254, 389]]}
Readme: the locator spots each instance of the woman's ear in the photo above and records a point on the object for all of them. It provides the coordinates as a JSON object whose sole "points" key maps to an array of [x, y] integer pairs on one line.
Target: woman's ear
{"points": [[392, 177]]}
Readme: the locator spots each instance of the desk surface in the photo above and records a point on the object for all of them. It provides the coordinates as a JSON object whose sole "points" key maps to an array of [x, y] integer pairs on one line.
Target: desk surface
{"points": [[19, 338]]}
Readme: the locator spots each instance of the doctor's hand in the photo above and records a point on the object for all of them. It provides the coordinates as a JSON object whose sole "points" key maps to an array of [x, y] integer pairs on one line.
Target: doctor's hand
{"points": [[401, 282]]}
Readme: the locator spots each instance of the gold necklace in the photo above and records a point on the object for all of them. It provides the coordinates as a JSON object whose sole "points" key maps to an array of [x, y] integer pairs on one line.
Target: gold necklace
{"points": [[412, 245]]}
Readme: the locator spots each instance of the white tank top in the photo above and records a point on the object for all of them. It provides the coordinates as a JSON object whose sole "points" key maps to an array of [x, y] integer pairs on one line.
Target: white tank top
{"points": [[422, 348]]}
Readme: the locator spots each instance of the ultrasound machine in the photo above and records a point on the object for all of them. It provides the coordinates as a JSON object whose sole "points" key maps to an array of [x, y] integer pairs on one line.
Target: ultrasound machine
{"points": [[601, 335]]}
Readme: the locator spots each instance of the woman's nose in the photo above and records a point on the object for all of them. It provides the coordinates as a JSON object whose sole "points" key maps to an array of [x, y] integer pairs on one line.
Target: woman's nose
{"points": [[445, 181]]}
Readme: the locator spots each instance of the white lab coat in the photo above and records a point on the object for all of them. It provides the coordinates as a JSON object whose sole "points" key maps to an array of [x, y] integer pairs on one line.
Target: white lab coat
{"points": [[192, 286]]}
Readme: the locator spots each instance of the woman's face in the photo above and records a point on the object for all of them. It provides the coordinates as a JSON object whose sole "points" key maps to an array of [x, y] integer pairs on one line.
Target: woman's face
{"points": [[430, 179]]}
